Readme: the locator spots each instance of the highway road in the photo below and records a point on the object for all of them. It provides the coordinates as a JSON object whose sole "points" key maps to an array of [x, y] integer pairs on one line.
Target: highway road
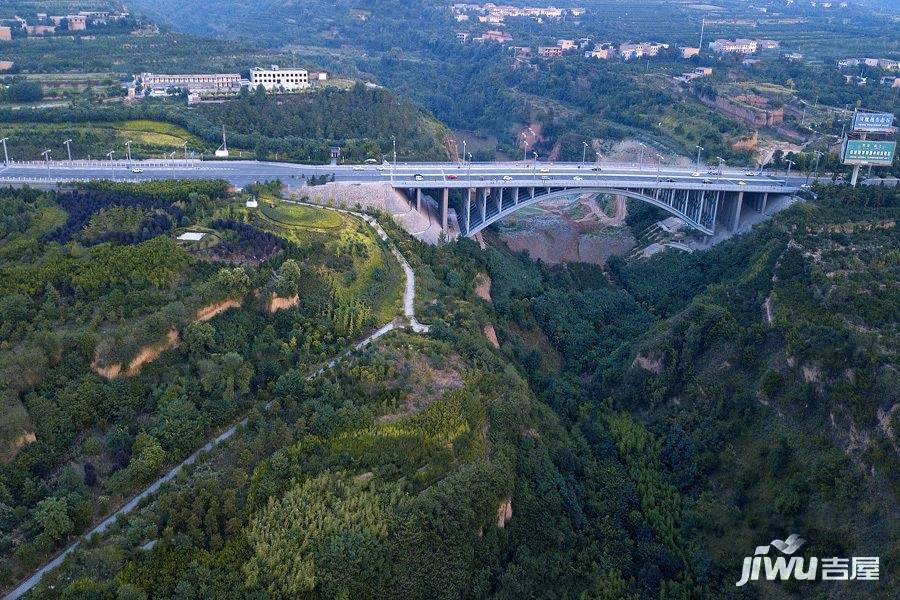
{"points": [[242, 173]]}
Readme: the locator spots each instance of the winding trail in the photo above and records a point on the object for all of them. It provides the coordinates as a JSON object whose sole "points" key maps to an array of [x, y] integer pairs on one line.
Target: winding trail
{"points": [[409, 320]]}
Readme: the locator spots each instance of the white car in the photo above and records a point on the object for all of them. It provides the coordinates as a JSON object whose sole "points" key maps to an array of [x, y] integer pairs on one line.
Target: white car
{"points": [[578, 178], [507, 178], [545, 177], [545, 170], [419, 177], [742, 182], [137, 170], [357, 168], [695, 174]]}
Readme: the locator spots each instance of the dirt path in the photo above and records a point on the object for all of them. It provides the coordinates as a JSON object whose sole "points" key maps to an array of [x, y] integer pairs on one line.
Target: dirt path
{"points": [[409, 295]]}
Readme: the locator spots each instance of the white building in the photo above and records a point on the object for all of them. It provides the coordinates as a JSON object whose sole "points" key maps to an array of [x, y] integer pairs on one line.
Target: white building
{"points": [[195, 83], [275, 78], [739, 46]]}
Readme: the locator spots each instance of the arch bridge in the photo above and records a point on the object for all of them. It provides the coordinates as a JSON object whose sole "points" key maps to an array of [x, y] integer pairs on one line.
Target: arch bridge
{"points": [[700, 202]]}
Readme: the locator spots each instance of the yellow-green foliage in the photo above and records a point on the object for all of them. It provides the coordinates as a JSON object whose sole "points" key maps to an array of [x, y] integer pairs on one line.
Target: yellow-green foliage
{"points": [[324, 521], [46, 216], [156, 262]]}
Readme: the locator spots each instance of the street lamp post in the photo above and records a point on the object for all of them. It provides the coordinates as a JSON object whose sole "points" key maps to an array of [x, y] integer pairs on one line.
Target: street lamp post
{"points": [[699, 150], [68, 149], [790, 164], [5, 154], [641, 162], [658, 166], [721, 162], [112, 163], [534, 165], [128, 153], [185, 145], [816, 168], [173, 163], [584, 152], [465, 152], [46, 155], [394, 143]]}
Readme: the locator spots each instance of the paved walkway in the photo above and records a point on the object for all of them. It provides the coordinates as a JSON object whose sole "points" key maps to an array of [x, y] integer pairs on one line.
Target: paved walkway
{"points": [[409, 296]]}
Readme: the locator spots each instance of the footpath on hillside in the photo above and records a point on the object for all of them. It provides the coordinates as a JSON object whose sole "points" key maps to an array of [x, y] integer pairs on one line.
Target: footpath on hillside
{"points": [[408, 320]]}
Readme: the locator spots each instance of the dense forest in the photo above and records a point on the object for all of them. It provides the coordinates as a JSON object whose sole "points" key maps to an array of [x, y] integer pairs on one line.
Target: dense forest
{"points": [[638, 431], [122, 349]]}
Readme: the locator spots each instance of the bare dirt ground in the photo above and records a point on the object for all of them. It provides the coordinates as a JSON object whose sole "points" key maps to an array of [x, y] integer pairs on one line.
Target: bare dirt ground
{"points": [[483, 287], [424, 224], [575, 230]]}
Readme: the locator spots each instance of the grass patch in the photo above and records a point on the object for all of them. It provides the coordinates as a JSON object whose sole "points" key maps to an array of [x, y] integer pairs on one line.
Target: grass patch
{"points": [[293, 215]]}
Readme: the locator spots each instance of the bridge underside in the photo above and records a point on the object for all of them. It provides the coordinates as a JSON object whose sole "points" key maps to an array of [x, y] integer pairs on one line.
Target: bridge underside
{"points": [[700, 209]]}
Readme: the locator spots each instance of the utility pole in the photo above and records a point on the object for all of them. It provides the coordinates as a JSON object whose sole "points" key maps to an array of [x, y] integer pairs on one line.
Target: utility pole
{"points": [[702, 27], [68, 149], [5, 154]]}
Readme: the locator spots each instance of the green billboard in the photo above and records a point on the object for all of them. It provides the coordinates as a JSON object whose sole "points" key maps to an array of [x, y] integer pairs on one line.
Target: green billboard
{"points": [[868, 152]]}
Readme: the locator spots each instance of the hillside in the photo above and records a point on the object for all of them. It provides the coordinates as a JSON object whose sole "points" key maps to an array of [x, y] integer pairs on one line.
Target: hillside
{"points": [[626, 440], [298, 127]]}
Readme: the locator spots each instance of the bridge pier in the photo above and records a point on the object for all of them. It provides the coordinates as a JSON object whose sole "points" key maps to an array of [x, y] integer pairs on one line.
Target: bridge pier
{"points": [[736, 218], [418, 199], [445, 202], [764, 202], [484, 195], [473, 193]]}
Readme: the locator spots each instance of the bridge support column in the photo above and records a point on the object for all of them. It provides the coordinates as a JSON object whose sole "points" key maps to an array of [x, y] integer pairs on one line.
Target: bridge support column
{"points": [[499, 200], [418, 199], [445, 202], [764, 202], [471, 198], [532, 193], [484, 195], [702, 203], [736, 218]]}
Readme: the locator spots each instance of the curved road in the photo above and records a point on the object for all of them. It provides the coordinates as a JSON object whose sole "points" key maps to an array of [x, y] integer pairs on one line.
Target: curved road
{"points": [[409, 296]]}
